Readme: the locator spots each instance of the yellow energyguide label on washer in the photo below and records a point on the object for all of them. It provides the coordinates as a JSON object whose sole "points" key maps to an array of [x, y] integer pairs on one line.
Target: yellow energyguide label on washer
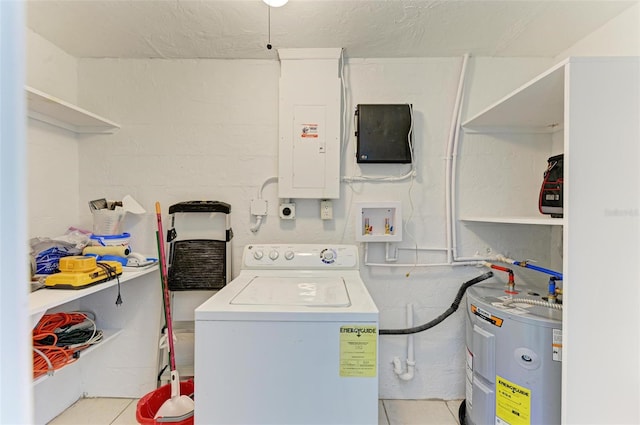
{"points": [[513, 403], [358, 351]]}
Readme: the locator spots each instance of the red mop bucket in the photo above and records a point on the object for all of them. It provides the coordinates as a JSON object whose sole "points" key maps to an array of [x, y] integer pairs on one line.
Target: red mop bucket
{"points": [[149, 404]]}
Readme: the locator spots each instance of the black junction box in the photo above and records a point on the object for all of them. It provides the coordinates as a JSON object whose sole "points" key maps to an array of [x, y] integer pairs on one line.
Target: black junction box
{"points": [[384, 134]]}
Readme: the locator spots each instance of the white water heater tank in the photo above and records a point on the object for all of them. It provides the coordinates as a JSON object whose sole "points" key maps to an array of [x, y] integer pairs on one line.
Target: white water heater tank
{"points": [[514, 358]]}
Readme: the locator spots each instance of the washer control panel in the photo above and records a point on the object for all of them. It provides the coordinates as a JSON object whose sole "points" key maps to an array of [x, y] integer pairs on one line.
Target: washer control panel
{"points": [[300, 256]]}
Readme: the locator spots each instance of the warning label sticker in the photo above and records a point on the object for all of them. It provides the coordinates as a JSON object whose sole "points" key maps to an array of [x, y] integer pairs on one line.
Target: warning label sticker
{"points": [[309, 131], [486, 315], [513, 403], [358, 351]]}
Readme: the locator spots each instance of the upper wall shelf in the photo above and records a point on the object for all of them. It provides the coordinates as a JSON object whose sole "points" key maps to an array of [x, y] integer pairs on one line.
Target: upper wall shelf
{"points": [[542, 220], [536, 107], [43, 299], [54, 111]]}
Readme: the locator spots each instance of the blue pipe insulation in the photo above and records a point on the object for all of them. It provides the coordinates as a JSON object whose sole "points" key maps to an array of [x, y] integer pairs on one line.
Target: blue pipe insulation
{"points": [[539, 269]]}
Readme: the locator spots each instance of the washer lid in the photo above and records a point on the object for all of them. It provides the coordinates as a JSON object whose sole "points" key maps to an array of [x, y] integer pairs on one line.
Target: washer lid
{"points": [[294, 291]]}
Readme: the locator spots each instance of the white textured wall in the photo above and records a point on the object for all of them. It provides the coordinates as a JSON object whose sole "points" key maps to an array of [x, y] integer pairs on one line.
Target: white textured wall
{"points": [[618, 37], [52, 153], [207, 129]]}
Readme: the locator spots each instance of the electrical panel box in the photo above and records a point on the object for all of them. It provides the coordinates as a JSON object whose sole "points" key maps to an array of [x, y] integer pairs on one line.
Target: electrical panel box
{"points": [[309, 124], [379, 221], [384, 133]]}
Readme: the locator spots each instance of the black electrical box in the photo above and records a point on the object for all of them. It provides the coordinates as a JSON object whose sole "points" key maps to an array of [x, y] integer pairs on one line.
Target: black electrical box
{"points": [[384, 134]]}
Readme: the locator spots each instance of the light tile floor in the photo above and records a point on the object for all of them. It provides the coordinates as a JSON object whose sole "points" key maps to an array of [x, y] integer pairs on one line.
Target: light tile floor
{"points": [[99, 411], [122, 411]]}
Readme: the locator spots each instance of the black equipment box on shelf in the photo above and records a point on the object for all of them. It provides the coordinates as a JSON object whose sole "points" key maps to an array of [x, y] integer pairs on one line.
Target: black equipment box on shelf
{"points": [[199, 245], [384, 133]]}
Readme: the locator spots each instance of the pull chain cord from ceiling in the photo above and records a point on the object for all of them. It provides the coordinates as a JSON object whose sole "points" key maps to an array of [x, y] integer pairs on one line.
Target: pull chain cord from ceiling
{"points": [[269, 46]]}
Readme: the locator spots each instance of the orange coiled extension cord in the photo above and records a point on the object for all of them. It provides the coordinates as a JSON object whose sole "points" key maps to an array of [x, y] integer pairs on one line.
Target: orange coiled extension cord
{"points": [[47, 356]]}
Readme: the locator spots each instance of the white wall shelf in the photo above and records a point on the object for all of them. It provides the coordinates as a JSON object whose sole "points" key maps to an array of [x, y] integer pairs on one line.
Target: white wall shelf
{"points": [[543, 220], [527, 126], [44, 299], [536, 107], [46, 108]]}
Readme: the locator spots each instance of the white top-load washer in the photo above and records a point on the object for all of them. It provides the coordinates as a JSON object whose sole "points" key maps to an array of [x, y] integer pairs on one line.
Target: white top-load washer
{"points": [[292, 340]]}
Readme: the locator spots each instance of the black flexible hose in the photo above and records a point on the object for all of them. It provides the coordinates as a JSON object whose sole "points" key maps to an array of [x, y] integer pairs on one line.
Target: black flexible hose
{"points": [[449, 312]]}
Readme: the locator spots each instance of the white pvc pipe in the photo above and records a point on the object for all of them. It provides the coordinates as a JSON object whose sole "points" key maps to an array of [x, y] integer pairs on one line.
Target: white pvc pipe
{"points": [[411, 363], [450, 194], [454, 184], [449, 169], [258, 223], [476, 258], [454, 264], [387, 253], [462, 261], [350, 179], [401, 248]]}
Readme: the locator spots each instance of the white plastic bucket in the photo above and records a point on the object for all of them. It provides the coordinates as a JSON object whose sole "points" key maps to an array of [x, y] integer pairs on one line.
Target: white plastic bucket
{"points": [[108, 222]]}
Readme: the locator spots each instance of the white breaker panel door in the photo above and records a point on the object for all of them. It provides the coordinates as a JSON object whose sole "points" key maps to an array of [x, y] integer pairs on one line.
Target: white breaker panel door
{"points": [[309, 130]]}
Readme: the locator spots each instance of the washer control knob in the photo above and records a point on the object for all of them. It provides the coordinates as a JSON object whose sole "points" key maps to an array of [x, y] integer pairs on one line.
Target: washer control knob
{"points": [[274, 255], [258, 255], [328, 256], [289, 255]]}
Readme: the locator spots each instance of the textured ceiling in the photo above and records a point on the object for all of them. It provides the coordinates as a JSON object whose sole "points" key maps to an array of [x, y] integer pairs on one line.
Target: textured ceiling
{"points": [[382, 28]]}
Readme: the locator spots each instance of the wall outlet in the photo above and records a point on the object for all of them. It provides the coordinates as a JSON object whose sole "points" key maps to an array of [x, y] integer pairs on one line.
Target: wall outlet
{"points": [[326, 210], [288, 211]]}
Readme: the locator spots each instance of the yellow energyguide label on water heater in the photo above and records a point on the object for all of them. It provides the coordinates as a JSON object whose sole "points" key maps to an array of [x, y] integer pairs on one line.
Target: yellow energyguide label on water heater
{"points": [[358, 351], [513, 403]]}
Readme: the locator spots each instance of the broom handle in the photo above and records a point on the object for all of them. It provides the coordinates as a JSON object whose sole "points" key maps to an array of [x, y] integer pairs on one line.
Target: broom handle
{"points": [[165, 289], [164, 307]]}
